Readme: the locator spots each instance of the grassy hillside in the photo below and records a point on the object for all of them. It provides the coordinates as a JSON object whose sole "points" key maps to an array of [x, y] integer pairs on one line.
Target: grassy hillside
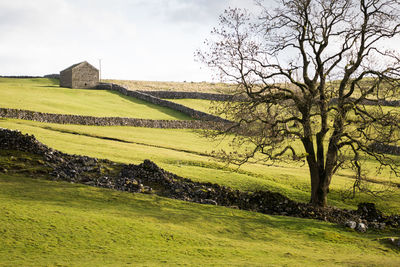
{"points": [[47, 223], [198, 104], [185, 153], [202, 87], [45, 95]]}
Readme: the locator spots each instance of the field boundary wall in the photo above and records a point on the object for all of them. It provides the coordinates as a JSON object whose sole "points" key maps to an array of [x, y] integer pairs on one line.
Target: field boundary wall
{"points": [[105, 121], [146, 96]]}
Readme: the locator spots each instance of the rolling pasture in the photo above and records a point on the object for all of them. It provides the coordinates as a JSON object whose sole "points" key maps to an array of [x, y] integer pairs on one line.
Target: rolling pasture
{"points": [[45, 95], [198, 104], [55, 223], [45, 223], [187, 154], [202, 87]]}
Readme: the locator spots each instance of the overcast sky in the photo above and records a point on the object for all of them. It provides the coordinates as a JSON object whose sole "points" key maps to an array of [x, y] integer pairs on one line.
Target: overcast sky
{"points": [[136, 39]]}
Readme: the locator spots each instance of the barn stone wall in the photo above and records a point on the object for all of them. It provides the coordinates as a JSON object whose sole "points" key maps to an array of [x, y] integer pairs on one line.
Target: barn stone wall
{"points": [[84, 76], [66, 78]]}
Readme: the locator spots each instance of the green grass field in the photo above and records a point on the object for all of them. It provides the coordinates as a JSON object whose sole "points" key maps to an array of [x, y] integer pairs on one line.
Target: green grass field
{"points": [[203, 87], [45, 95], [189, 158], [198, 104], [47, 223]]}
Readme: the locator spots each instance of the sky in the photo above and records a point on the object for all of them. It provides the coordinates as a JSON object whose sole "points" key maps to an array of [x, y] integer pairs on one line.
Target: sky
{"points": [[153, 40]]}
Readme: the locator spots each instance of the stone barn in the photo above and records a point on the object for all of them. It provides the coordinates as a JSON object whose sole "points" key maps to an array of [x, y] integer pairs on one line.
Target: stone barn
{"points": [[80, 75]]}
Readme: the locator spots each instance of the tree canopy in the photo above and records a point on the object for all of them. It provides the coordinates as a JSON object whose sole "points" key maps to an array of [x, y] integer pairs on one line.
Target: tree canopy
{"points": [[315, 77]]}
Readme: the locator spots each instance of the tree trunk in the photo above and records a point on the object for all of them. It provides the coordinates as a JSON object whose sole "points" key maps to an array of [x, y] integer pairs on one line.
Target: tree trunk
{"points": [[319, 187], [319, 196]]}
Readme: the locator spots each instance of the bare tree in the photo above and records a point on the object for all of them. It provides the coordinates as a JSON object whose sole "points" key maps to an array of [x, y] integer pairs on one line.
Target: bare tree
{"points": [[309, 71]]}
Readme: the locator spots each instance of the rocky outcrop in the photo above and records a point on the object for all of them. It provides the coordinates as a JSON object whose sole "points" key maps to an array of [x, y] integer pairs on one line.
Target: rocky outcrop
{"points": [[106, 121], [149, 178]]}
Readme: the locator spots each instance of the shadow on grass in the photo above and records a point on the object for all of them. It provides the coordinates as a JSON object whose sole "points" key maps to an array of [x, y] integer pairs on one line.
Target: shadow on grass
{"points": [[163, 209], [168, 111], [220, 222], [50, 86], [54, 81]]}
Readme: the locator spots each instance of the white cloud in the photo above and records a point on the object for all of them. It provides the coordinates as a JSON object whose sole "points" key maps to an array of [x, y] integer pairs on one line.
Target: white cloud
{"points": [[57, 33], [136, 39]]}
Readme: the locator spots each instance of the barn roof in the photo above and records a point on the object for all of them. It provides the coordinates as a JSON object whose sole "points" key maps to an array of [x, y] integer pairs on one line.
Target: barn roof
{"points": [[78, 64]]}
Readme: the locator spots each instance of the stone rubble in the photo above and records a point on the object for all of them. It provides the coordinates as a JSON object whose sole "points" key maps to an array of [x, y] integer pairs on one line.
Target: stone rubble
{"points": [[351, 224], [361, 227], [394, 241], [148, 178]]}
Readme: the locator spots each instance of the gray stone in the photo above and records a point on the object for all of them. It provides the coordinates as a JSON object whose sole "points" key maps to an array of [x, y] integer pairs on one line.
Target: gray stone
{"points": [[394, 241], [209, 201], [361, 227], [351, 224], [377, 225]]}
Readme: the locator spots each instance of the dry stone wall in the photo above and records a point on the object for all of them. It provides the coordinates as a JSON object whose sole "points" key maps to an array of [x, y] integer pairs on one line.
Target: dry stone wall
{"points": [[144, 177], [368, 102], [227, 97], [389, 103], [20, 77], [161, 102], [386, 149], [52, 76], [105, 121], [193, 95], [119, 121]]}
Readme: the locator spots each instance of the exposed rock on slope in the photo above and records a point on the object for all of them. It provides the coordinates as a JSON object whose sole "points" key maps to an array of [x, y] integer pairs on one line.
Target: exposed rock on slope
{"points": [[149, 178]]}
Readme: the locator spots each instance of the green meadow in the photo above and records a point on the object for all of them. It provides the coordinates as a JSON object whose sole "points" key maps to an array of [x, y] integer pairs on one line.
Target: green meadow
{"points": [[197, 104], [48, 223], [45, 95], [188, 154], [203, 87]]}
